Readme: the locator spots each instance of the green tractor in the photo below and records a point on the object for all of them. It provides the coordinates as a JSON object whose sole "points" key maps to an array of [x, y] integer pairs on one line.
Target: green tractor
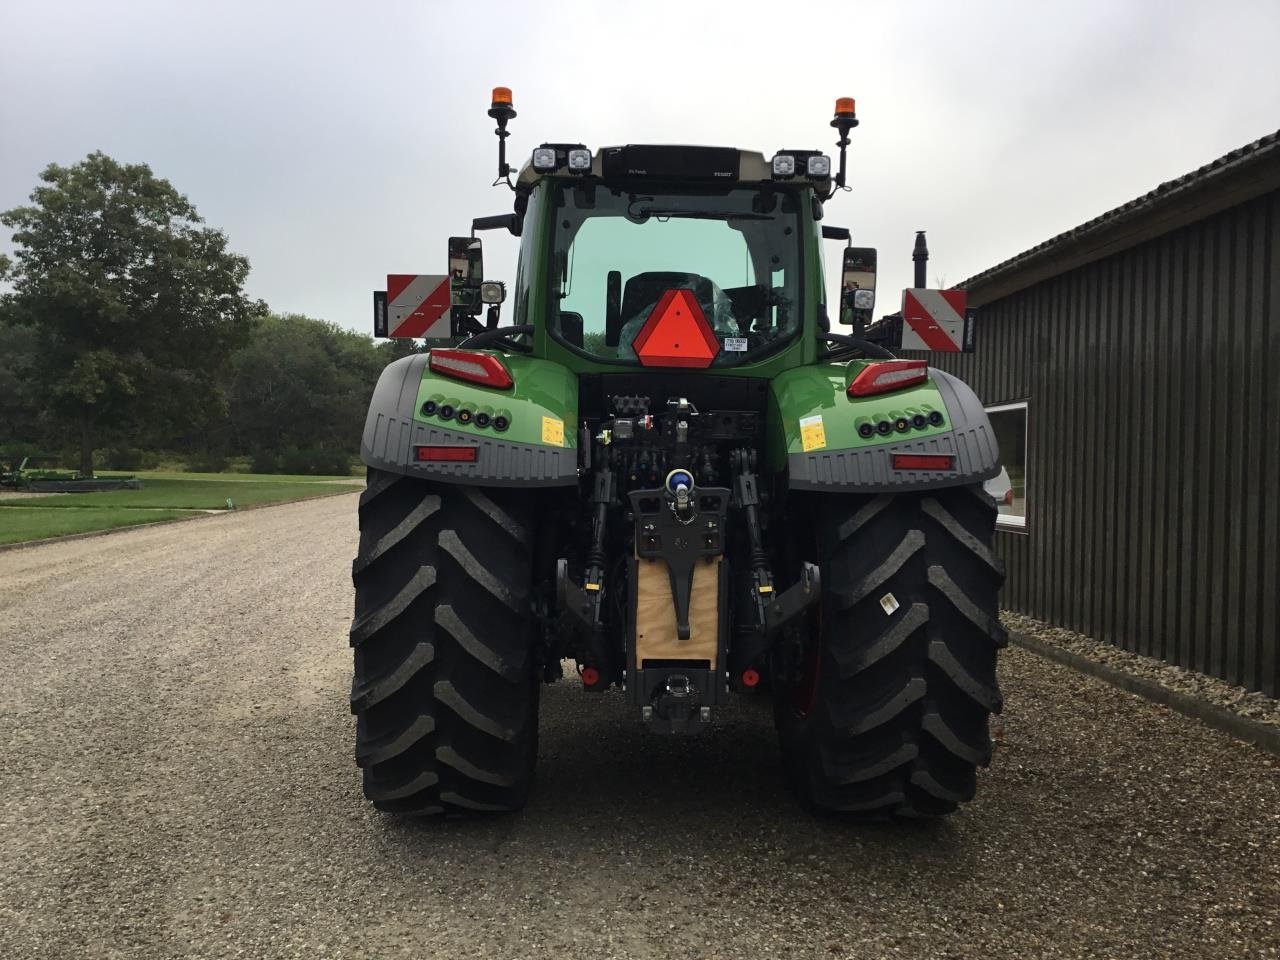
{"points": [[668, 469]]}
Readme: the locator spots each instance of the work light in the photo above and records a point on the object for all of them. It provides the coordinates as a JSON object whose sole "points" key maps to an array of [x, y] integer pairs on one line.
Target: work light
{"points": [[818, 166], [784, 165], [580, 161], [544, 158]]}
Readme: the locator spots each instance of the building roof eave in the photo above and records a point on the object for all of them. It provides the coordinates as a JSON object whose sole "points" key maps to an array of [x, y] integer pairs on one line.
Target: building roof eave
{"points": [[1230, 180]]}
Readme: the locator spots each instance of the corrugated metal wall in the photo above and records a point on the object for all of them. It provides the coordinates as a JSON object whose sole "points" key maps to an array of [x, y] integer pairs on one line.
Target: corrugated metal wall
{"points": [[1153, 500]]}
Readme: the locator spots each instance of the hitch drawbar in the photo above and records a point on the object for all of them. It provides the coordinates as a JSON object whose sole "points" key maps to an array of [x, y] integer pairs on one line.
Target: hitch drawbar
{"points": [[677, 675]]}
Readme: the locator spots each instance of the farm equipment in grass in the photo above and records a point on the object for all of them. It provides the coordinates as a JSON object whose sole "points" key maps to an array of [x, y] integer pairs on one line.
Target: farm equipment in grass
{"points": [[34, 480], [668, 468]]}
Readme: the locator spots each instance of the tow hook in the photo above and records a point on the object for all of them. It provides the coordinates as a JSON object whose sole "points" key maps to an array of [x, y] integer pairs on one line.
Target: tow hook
{"points": [[677, 704]]}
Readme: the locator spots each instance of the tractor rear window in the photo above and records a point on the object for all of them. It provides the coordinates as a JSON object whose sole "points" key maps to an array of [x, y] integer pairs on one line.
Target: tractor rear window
{"points": [[616, 252]]}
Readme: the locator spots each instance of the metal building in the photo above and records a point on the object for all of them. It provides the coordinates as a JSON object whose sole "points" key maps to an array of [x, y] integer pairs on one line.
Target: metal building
{"points": [[1132, 366]]}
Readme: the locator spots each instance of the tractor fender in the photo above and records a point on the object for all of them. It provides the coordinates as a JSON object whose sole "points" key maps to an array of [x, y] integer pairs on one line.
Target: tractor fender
{"points": [[828, 454], [538, 449]]}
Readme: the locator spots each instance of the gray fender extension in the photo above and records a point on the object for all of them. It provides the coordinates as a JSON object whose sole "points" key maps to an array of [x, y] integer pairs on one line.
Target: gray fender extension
{"points": [[971, 441], [391, 433]]}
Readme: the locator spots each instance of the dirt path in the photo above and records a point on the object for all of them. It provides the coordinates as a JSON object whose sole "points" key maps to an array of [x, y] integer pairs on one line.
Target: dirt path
{"points": [[177, 781]]}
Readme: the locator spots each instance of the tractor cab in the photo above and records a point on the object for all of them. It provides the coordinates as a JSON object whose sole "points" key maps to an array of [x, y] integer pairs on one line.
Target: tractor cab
{"points": [[709, 229]]}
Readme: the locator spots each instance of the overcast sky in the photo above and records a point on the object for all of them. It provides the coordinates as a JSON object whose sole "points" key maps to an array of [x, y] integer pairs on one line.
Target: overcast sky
{"points": [[335, 143]]}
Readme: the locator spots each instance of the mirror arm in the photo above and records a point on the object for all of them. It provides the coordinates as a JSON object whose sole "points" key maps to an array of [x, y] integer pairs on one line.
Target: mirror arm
{"points": [[501, 221]]}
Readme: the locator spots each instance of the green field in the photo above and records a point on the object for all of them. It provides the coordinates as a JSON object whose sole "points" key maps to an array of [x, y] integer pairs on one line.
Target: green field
{"points": [[32, 523], [241, 477], [164, 496]]}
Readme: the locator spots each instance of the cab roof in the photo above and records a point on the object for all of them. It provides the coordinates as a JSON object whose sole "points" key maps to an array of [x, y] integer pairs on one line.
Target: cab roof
{"points": [[671, 163]]}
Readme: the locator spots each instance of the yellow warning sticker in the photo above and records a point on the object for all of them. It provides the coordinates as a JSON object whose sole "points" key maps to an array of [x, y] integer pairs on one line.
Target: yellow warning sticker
{"points": [[553, 431], [813, 436]]}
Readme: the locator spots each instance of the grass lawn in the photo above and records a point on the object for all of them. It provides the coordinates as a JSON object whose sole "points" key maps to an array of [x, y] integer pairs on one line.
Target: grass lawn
{"points": [[146, 475], [163, 496], [165, 492], [33, 523]]}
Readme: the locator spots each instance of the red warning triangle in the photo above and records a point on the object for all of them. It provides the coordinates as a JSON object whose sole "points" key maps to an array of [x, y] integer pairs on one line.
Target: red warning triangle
{"points": [[676, 334]]}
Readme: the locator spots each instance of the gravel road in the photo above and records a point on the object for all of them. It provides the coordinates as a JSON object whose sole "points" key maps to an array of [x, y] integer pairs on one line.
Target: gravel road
{"points": [[177, 781]]}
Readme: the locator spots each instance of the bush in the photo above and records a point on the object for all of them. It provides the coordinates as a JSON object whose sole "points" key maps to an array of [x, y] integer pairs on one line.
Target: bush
{"points": [[14, 452], [264, 462], [124, 458], [315, 461], [207, 463]]}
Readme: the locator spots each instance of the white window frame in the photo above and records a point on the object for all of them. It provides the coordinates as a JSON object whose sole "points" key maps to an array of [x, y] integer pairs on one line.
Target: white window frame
{"points": [[1003, 520]]}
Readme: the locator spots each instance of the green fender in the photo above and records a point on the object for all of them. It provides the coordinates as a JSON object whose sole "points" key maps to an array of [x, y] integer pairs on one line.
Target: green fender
{"points": [[538, 449], [814, 432]]}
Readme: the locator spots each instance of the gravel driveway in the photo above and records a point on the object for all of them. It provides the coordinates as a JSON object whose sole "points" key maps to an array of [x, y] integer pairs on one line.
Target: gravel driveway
{"points": [[177, 781]]}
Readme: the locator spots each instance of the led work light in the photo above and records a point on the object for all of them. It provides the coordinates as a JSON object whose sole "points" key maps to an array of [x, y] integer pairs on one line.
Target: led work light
{"points": [[818, 166]]}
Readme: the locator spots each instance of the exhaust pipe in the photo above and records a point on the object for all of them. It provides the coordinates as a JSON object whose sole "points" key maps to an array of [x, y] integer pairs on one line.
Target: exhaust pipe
{"points": [[920, 256]]}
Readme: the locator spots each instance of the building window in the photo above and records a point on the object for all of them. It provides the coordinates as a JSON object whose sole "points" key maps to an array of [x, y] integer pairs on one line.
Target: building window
{"points": [[1009, 421]]}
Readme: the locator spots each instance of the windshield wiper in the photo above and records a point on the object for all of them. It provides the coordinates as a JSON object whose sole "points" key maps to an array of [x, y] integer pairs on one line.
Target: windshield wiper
{"points": [[646, 213]]}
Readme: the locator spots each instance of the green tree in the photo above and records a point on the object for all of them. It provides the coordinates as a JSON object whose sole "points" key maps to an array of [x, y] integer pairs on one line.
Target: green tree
{"points": [[20, 422], [135, 305], [301, 383]]}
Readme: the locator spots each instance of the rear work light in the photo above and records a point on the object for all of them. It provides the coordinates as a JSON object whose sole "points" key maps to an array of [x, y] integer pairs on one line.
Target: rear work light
{"points": [[923, 461], [819, 166], [482, 368], [446, 454], [888, 375]]}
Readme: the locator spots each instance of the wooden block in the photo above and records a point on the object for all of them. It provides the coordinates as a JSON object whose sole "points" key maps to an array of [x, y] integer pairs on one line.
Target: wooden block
{"points": [[655, 631]]}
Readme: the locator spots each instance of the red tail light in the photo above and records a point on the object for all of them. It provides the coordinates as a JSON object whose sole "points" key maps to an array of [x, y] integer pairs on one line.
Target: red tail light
{"points": [[923, 461], [886, 375], [482, 368], [447, 454]]}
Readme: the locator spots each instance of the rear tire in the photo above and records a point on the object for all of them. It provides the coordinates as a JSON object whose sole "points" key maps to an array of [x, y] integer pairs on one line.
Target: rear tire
{"points": [[445, 690], [886, 713]]}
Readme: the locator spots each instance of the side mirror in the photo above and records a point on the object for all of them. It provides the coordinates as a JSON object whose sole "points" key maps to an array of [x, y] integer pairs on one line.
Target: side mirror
{"points": [[466, 260], [466, 271], [858, 287]]}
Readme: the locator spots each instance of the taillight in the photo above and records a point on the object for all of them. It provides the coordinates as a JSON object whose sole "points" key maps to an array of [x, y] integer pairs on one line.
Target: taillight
{"points": [[1008, 496], [482, 368], [886, 375], [923, 461], [436, 454]]}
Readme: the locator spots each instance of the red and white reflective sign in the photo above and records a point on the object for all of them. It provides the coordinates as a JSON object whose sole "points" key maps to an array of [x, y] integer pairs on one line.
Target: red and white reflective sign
{"points": [[933, 320], [418, 305]]}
